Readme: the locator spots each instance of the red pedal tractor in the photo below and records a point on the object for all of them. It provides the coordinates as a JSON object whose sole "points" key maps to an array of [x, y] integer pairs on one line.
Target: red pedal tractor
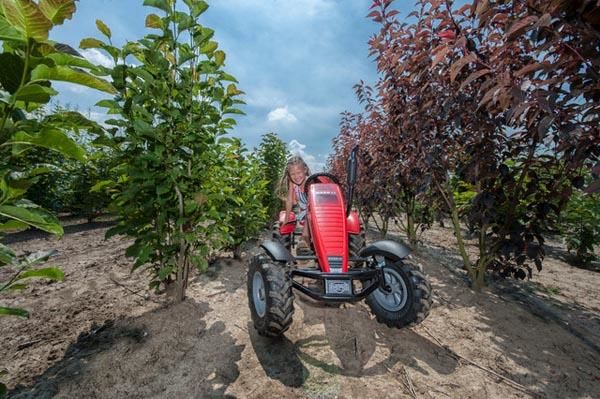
{"points": [[344, 270]]}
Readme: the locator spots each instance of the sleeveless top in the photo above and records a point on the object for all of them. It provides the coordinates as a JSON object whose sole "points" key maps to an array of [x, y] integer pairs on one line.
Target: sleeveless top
{"points": [[302, 202]]}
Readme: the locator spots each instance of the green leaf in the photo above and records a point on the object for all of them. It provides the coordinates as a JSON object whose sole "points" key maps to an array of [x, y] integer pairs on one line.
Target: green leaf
{"points": [[229, 78], [101, 185], [35, 93], [160, 4], [107, 104], [52, 139], [209, 47], [27, 17], [103, 28], [9, 33], [196, 7], [66, 74], [57, 10], [232, 90], [50, 273], [90, 42], [219, 57], [233, 111], [11, 71], [7, 255], [143, 127], [70, 60], [153, 21], [12, 225], [4, 311], [34, 217]]}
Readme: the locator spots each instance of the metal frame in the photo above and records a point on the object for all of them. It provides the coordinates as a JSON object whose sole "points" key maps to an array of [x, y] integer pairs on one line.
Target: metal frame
{"points": [[373, 277]]}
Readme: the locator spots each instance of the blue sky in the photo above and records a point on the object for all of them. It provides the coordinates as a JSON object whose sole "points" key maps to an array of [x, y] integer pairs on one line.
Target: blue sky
{"points": [[296, 60]]}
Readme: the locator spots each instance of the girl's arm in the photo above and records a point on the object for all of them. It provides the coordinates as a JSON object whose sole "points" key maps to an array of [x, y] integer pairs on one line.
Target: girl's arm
{"points": [[288, 203]]}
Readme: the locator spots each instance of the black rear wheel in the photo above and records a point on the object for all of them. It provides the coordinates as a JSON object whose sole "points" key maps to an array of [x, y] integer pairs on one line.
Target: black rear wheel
{"points": [[270, 297], [284, 239], [405, 297]]}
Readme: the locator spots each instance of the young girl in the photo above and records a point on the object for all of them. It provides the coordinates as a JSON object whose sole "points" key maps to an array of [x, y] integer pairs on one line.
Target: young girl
{"points": [[291, 187]]}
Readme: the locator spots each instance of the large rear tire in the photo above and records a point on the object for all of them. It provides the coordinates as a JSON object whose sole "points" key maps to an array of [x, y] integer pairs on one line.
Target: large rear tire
{"points": [[406, 298], [270, 297], [284, 239]]}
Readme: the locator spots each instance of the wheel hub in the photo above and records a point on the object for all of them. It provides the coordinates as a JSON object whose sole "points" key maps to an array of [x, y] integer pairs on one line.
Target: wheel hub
{"points": [[258, 294], [392, 296]]}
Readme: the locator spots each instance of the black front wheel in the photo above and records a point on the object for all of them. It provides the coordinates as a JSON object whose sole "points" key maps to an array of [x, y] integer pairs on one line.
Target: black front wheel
{"points": [[284, 239], [404, 298], [270, 297]]}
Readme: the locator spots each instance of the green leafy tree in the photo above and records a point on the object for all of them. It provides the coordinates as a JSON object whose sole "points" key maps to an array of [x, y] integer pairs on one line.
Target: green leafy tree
{"points": [[242, 193], [272, 155], [172, 106], [30, 62], [580, 225]]}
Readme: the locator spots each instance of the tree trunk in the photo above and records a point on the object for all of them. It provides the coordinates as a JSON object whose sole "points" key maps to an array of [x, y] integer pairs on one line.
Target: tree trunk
{"points": [[237, 251]]}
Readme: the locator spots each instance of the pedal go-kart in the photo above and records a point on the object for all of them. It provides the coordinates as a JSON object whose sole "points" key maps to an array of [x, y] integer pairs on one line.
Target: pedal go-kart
{"points": [[344, 270]]}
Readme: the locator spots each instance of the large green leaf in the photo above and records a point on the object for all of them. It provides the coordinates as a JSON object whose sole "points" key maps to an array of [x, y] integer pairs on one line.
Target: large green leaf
{"points": [[7, 32], [154, 21], [90, 42], [35, 217], [58, 10], [66, 74], [26, 16], [35, 93], [12, 225], [196, 7], [102, 27], [4, 311], [219, 57], [70, 60], [160, 4], [11, 71], [50, 273], [50, 138], [209, 47]]}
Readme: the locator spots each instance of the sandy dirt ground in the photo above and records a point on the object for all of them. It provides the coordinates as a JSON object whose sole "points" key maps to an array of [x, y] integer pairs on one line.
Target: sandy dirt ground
{"points": [[100, 333]]}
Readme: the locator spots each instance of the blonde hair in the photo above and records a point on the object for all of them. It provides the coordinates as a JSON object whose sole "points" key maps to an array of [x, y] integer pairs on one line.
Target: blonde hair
{"points": [[284, 181]]}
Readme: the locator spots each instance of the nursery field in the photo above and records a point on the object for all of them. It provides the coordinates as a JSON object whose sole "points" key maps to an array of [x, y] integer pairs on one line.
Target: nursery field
{"points": [[101, 333]]}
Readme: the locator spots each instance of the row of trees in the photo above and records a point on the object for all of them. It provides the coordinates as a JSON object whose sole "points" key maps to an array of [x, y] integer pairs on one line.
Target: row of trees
{"points": [[487, 113], [163, 164]]}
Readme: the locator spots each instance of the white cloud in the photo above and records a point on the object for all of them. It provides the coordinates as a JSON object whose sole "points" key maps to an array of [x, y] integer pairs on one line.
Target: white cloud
{"points": [[266, 97], [279, 10], [95, 56], [315, 164], [77, 89], [281, 114]]}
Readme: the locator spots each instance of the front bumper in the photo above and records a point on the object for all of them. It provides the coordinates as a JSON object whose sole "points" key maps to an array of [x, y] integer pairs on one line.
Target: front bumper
{"points": [[339, 287]]}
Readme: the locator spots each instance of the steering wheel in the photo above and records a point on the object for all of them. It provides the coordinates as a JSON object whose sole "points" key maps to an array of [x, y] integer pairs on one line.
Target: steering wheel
{"points": [[314, 177]]}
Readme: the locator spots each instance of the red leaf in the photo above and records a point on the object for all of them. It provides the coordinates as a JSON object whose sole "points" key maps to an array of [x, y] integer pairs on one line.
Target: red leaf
{"points": [[460, 64], [374, 15], [474, 76], [440, 55], [530, 68], [520, 26], [447, 35]]}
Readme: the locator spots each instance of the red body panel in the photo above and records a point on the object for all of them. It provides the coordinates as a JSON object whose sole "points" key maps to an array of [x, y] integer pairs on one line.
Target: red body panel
{"points": [[353, 223], [327, 221]]}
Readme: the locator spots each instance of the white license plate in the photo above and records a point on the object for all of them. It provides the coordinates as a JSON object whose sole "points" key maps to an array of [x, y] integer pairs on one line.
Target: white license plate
{"points": [[338, 287]]}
